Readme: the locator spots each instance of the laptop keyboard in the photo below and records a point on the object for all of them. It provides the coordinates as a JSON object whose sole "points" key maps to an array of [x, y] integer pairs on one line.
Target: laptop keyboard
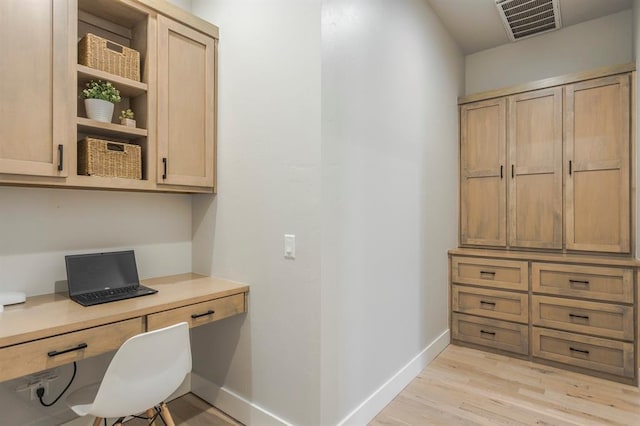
{"points": [[106, 295]]}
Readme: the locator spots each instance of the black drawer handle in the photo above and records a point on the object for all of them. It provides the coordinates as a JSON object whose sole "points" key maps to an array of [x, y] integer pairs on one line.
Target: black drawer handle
{"points": [[77, 348], [493, 274], [585, 282], [484, 302], [209, 312], [491, 333], [582, 351], [60, 157], [586, 317], [501, 173], [164, 168]]}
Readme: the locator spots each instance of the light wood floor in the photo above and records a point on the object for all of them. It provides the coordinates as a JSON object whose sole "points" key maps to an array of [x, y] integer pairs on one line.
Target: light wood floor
{"points": [[468, 387], [189, 410]]}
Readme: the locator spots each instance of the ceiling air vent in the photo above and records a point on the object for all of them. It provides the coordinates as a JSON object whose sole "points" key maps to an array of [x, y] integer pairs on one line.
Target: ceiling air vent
{"points": [[526, 18]]}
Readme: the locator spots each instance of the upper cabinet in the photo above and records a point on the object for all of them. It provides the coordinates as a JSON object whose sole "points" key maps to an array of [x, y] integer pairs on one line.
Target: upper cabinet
{"points": [[46, 136], [36, 120], [186, 101], [559, 179], [597, 163]]}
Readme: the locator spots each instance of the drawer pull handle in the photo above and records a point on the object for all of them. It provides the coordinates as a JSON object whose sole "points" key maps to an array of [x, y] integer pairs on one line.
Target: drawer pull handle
{"points": [[491, 333], [582, 351], [585, 282], [493, 274], [209, 312], [484, 302], [586, 317], [77, 348]]}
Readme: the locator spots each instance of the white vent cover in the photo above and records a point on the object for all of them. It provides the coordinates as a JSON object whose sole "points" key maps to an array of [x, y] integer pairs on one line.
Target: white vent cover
{"points": [[526, 18]]}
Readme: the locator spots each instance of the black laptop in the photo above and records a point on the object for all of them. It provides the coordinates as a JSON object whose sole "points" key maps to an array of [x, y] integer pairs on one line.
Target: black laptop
{"points": [[104, 277]]}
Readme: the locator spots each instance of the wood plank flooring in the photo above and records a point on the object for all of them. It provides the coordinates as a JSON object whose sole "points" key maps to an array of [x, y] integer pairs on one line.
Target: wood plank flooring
{"points": [[189, 410], [468, 387]]}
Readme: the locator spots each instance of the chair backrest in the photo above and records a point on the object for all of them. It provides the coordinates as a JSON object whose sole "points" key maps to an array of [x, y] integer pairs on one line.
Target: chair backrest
{"points": [[145, 371]]}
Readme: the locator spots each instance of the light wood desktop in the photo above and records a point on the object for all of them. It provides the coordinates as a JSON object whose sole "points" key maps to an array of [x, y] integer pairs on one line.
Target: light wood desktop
{"points": [[52, 330]]}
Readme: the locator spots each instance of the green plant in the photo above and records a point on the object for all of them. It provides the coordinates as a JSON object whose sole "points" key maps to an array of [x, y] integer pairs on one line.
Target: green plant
{"points": [[101, 90], [126, 113]]}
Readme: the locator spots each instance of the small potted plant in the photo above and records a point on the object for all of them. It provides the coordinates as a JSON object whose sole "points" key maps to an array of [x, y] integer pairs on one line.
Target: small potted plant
{"points": [[99, 99], [127, 118]]}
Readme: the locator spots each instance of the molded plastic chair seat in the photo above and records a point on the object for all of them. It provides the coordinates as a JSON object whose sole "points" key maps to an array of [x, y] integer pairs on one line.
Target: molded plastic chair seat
{"points": [[145, 371]]}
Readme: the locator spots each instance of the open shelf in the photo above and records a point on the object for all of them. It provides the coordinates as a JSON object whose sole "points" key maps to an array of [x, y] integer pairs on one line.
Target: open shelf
{"points": [[100, 128], [126, 86]]}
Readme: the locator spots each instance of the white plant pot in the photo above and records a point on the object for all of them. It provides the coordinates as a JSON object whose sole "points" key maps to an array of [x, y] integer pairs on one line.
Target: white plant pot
{"points": [[129, 122], [99, 110]]}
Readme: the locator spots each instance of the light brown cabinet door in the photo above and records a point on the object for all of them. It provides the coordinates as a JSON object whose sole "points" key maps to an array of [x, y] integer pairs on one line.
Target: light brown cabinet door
{"points": [[37, 89], [535, 169], [597, 165], [186, 107], [482, 173]]}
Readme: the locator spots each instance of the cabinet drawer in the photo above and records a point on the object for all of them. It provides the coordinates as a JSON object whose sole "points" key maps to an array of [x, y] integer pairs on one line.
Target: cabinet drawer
{"points": [[591, 282], [199, 313], [602, 319], [488, 332], [608, 356], [27, 358], [497, 304], [506, 274]]}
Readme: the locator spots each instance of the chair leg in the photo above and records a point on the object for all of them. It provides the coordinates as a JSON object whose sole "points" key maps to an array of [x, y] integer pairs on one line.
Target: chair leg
{"points": [[166, 416], [97, 421], [151, 414]]}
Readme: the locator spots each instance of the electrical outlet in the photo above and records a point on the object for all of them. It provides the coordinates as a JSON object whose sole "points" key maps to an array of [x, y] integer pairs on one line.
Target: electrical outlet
{"points": [[34, 389]]}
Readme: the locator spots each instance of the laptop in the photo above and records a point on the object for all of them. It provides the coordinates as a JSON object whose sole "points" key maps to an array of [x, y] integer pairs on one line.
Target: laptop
{"points": [[97, 278]]}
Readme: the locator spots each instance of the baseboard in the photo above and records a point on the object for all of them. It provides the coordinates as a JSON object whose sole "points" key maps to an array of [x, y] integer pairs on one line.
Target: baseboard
{"points": [[233, 404], [370, 407]]}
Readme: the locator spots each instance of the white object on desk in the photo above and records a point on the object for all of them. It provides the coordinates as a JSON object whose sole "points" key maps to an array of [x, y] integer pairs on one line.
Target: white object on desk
{"points": [[11, 298]]}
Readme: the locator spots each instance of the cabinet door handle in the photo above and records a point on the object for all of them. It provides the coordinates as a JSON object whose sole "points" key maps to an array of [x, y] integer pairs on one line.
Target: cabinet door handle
{"points": [[493, 274], [484, 302], [60, 157], [586, 317], [582, 351], [570, 167], [585, 282], [490, 333], [209, 312], [501, 174], [513, 171], [164, 167], [77, 348]]}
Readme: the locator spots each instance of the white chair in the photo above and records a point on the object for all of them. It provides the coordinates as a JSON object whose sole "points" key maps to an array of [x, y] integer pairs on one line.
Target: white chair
{"points": [[144, 372]]}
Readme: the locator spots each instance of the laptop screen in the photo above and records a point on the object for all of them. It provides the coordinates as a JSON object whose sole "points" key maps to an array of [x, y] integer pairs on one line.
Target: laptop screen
{"points": [[101, 271]]}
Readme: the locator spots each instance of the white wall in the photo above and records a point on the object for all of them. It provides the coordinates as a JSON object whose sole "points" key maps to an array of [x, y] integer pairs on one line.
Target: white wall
{"points": [[372, 202], [588, 45], [269, 185], [391, 75]]}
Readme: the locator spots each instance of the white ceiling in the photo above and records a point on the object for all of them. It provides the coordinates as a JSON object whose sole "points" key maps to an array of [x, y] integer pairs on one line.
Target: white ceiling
{"points": [[476, 24]]}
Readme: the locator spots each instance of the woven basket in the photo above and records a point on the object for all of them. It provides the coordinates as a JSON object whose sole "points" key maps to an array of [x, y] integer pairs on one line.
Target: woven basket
{"points": [[99, 53], [97, 157]]}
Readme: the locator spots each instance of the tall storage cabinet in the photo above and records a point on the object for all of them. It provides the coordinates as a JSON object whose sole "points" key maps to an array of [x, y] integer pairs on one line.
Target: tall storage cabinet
{"points": [[597, 156], [186, 70], [545, 270], [35, 127]]}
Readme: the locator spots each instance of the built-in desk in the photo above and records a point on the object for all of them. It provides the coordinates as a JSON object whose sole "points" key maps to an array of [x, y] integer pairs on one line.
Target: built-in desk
{"points": [[51, 330]]}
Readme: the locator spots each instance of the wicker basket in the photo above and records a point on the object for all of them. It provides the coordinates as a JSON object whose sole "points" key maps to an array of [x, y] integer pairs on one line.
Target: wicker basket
{"points": [[97, 52], [97, 157]]}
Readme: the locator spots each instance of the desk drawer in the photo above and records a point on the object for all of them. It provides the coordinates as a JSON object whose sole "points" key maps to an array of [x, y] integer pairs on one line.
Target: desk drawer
{"points": [[200, 313], [27, 358], [488, 332], [601, 319], [608, 356], [497, 273], [504, 305], [590, 282]]}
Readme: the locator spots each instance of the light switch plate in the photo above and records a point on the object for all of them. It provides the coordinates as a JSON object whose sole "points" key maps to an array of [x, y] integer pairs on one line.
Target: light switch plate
{"points": [[289, 246]]}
